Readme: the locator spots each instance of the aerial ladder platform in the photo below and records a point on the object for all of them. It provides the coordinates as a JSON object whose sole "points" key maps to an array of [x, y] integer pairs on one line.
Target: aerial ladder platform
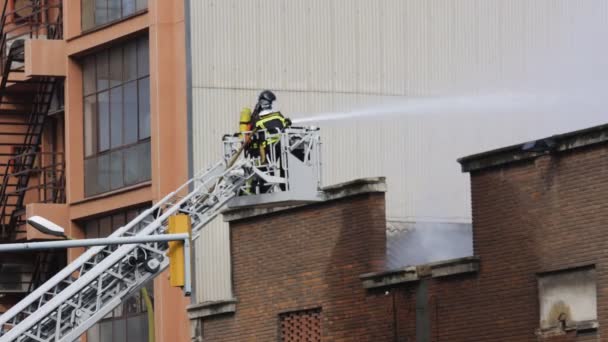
{"points": [[91, 286]]}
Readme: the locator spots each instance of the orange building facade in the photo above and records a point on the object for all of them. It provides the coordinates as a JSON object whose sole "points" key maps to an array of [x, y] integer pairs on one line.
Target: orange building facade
{"points": [[93, 128]]}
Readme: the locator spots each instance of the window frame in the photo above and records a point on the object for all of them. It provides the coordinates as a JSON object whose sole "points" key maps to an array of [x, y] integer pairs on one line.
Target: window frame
{"points": [[115, 220], [122, 17], [542, 281], [91, 97]]}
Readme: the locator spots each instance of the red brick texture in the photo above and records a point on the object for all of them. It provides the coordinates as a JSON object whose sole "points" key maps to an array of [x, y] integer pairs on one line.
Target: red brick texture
{"points": [[528, 218], [307, 258]]}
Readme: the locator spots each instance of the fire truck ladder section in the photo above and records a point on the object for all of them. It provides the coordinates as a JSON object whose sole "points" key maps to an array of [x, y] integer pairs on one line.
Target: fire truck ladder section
{"points": [[90, 287]]}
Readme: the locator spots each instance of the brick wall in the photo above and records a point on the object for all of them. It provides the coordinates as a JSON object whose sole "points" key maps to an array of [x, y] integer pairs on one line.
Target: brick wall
{"points": [[304, 258], [547, 214], [530, 217]]}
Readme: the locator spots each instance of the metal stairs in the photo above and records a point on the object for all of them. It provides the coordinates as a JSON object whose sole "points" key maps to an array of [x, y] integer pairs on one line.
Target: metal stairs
{"points": [[29, 99]]}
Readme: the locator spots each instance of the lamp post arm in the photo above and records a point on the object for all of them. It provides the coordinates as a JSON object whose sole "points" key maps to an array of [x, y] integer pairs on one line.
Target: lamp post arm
{"points": [[34, 246]]}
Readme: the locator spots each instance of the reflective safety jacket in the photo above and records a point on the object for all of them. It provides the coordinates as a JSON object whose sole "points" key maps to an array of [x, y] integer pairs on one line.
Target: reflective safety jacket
{"points": [[273, 122]]}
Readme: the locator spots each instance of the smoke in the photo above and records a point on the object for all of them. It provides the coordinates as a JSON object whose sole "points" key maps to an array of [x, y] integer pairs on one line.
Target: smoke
{"points": [[416, 243]]}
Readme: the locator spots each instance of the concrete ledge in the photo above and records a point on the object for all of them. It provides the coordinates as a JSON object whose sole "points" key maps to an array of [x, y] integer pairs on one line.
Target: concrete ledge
{"points": [[382, 279], [414, 273], [329, 193], [454, 266], [571, 327], [206, 309], [355, 187], [559, 143], [45, 57]]}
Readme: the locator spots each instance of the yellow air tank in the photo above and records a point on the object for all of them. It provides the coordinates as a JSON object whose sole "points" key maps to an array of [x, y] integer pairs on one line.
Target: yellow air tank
{"points": [[245, 121]]}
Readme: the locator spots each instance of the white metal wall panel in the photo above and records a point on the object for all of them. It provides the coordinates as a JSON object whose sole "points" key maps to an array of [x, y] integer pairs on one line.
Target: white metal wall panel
{"points": [[336, 55]]}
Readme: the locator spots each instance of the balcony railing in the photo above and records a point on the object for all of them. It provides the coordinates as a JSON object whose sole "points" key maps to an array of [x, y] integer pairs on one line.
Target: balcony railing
{"points": [[46, 185], [49, 170]]}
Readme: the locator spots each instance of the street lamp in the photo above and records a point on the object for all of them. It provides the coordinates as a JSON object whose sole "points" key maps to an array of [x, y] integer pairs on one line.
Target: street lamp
{"points": [[45, 226], [152, 265]]}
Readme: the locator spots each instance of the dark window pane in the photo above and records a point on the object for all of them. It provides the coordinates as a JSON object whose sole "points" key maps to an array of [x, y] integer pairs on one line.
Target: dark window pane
{"points": [[88, 14], [128, 7], [117, 114], [103, 111], [116, 117], [103, 72], [137, 328], [145, 164], [115, 66], [118, 221], [130, 110], [105, 226], [144, 108], [101, 12], [91, 229], [150, 287], [143, 66], [93, 334], [90, 176], [106, 331], [132, 214], [131, 166], [116, 179], [113, 10], [90, 125], [103, 174], [133, 304], [120, 330], [141, 4], [118, 310], [88, 75], [130, 61]]}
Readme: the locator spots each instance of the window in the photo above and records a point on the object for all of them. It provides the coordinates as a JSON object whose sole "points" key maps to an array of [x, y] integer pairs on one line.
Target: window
{"points": [[116, 87], [568, 299], [303, 325], [128, 321], [98, 12]]}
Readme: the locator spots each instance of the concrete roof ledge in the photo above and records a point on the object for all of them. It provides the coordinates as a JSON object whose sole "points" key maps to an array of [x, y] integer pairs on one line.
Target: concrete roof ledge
{"points": [[555, 144], [206, 309], [415, 273], [381, 279], [329, 193], [355, 187]]}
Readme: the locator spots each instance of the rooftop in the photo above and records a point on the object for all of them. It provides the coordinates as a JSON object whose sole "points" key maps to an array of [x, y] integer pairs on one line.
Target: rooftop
{"points": [[328, 193], [534, 149]]}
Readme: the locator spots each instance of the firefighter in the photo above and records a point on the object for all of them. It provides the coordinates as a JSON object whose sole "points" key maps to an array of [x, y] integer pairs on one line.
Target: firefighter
{"points": [[269, 121]]}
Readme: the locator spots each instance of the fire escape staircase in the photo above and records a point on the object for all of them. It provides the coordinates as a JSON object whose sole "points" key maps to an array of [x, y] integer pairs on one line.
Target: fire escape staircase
{"points": [[29, 99]]}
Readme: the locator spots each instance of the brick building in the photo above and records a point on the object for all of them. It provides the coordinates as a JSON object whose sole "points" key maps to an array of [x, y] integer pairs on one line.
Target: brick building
{"points": [[296, 270], [539, 214], [537, 274]]}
